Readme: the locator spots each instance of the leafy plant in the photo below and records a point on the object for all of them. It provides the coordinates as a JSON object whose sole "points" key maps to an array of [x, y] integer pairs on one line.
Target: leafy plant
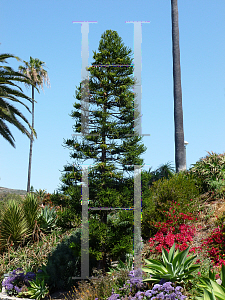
{"points": [[30, 208], [210, 169], [180, 189], [211, 288], [125, 266], [68, 216], [37, 290], [40, 194], [63, 263], [220, 221], [13, 225], [175, 266], [47, 219], [17, 282], [164, 171]]}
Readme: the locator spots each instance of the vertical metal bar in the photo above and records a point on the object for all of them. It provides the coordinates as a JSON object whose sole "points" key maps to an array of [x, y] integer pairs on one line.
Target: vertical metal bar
{"points": [[85, 225], [84, 77], [137, 216]]}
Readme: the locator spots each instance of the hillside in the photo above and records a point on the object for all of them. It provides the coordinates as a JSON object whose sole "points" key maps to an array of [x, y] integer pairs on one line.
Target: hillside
{"points": [[4, 190]]}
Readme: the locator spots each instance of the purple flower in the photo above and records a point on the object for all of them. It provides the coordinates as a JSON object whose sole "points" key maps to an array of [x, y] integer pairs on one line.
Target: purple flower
{"points": [[114, 297], [17, 279], [9, 286], [18, 289]]}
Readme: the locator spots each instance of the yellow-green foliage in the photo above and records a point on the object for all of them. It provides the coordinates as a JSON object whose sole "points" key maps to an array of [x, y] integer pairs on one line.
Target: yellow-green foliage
{"points": [[211, 171]]}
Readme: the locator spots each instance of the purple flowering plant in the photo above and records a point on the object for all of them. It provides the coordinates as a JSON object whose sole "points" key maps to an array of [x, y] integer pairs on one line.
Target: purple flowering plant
{"points": [[16, 284], [136, 289], [165, 290]]}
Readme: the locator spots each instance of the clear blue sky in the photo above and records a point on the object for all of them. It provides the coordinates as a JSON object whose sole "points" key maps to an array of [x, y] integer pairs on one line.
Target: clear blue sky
{"points": [[43, 29]]}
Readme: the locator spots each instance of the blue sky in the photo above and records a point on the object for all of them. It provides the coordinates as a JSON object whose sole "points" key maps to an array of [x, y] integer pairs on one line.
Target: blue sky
{"points": [[43, 29]]}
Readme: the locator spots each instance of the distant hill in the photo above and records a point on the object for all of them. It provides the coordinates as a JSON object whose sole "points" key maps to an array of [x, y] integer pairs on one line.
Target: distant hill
{"points": [[4, 191]]}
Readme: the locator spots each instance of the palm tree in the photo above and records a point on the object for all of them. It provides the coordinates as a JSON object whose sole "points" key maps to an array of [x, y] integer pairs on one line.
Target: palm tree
{"points": [[8, 80], [34, 70], [180, 158]]}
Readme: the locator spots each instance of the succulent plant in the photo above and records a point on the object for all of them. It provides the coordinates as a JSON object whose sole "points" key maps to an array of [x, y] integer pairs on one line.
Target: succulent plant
{"points": [[211, 288], [175, 266]]}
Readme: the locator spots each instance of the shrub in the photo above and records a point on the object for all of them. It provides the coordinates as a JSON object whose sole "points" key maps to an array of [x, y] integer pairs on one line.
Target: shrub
{"points": [[68, 216], [180, 188], [211, 171], [63, 264]]}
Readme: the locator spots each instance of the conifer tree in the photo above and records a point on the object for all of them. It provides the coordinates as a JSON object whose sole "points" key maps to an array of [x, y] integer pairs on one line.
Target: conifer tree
{"points": [[112, 116]]}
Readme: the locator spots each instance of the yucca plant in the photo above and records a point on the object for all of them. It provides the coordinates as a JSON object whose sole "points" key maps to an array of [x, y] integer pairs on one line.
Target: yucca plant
{"points": [[13, 224], [30, 207]]}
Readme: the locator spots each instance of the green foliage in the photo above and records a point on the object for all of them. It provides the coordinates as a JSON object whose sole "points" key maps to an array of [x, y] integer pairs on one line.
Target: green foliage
{"points": [[180, 188], [13, 224], [220, 220], [70, 215], [164, 171], [123, 266], [47, 219], [65, 262], [116, 245], [212, 289], [109, 89], [40, 194], [211, 171], [62, 265], [9, 80], [175, 267], [37, 290]]}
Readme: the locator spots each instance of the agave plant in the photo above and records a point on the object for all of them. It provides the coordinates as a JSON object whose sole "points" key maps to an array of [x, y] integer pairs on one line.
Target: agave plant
{"points": [[37, 290], [47, 218], [175, 266], [211, 289]]}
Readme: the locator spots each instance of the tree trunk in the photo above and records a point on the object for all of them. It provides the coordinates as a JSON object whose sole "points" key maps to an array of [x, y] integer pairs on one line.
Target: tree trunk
{"points": [[180, 158], [31, 144]]}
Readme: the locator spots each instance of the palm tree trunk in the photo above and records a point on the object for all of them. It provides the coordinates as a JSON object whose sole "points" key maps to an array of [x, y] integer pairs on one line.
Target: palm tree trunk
{"points": [[31, 144], [180, 158]]}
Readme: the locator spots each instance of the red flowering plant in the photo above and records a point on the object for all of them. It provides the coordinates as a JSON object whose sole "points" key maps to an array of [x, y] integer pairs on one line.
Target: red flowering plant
{"points": [[173, 230], [215, 245]]}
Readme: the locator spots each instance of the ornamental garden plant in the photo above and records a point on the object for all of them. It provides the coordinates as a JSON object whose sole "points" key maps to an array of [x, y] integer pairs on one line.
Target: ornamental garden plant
{"points": [[176, 226]]}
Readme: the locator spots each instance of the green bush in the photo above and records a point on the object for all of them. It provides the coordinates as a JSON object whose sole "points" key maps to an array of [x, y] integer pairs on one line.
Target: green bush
{"points": [[70, 216], [211, 171], [180, 188], [64, 263]]}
